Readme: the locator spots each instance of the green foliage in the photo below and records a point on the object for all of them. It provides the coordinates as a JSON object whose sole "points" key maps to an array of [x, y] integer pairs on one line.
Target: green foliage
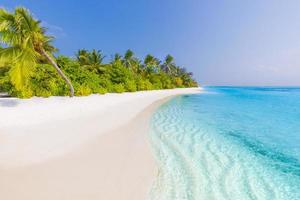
{"points": [[118, 73], [46, 82], [178, 82], [25, 72], [130, 86], [119, 88], [167, 81], [101, 90], [83, 90], [155, 79], [144, 84], [5, 84]]}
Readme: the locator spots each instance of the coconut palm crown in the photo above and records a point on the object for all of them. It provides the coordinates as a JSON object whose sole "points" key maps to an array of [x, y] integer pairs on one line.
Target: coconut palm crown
{"points": [[91, 60]]}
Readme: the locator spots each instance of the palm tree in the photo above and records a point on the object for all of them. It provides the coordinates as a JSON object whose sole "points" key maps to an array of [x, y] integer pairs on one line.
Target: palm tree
{"points": [[82, 57], [128, 58], [136, 65], [26, 44], [96, 57], [177, 71], [117, 58], [132, 62], [91, 60], [151, 63], [168, 64]]}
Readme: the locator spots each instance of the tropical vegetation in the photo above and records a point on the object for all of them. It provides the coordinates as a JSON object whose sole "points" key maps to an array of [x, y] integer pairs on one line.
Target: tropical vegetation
{"points": [[30, 65]]}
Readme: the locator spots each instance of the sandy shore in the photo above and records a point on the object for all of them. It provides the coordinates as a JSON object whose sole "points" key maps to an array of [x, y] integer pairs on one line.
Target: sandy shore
{"points": [[81, 148]]}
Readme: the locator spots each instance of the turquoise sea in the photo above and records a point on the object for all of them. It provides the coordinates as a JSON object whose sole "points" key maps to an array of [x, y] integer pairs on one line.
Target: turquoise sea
{"points": [[237, 143]]}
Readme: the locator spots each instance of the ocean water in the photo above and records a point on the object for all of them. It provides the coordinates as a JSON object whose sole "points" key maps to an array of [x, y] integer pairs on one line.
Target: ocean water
{"points": [[239, 143]]}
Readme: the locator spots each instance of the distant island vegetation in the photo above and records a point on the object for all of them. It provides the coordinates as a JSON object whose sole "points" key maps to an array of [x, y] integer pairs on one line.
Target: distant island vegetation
{"points": [[29, 67]]}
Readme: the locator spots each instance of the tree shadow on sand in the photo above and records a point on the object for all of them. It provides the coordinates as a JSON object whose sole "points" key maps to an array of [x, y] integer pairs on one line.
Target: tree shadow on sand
{"points": [[8, 103]]}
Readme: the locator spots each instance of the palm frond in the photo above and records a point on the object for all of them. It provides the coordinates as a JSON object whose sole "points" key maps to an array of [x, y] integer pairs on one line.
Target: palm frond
{"points": [[21, 71]]}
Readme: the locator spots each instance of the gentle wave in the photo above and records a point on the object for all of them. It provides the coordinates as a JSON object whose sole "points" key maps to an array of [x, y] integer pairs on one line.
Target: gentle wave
{"points": [[199, 160]]}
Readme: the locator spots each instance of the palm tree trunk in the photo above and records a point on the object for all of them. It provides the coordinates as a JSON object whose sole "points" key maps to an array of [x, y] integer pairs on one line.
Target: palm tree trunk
{"points": [[59, 71]]}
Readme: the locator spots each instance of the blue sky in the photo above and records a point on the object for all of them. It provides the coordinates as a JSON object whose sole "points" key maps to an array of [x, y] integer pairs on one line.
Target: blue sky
{"points": [[233, 42]]}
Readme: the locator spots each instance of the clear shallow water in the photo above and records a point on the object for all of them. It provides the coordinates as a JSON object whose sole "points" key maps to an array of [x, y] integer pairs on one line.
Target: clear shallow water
{"points": [[228, 143]]}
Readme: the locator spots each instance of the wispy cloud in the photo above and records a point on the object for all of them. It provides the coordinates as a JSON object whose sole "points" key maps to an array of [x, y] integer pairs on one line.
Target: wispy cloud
{"points": [[54, 30], [4, 7]]}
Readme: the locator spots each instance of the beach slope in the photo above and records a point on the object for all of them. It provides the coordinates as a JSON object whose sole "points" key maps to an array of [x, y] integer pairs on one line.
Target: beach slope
{"points": [[91, 147]]}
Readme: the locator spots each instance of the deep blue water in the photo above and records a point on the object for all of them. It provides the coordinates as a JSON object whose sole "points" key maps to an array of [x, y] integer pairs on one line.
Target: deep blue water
{"points": [[228, 143]]}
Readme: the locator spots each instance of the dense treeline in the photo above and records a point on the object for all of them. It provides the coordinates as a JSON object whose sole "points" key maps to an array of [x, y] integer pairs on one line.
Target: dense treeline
{"points": [[29, 68]]}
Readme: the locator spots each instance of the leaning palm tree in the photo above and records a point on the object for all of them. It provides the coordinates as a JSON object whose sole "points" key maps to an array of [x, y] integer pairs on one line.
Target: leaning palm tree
{"points": [[26, 44]]}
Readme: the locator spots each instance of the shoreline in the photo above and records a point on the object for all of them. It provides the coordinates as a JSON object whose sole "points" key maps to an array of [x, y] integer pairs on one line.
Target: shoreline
{"points": [[116, 163]]}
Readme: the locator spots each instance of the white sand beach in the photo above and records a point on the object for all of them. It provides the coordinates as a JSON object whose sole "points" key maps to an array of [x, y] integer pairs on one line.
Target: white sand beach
{"points": [[91, 147]]}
